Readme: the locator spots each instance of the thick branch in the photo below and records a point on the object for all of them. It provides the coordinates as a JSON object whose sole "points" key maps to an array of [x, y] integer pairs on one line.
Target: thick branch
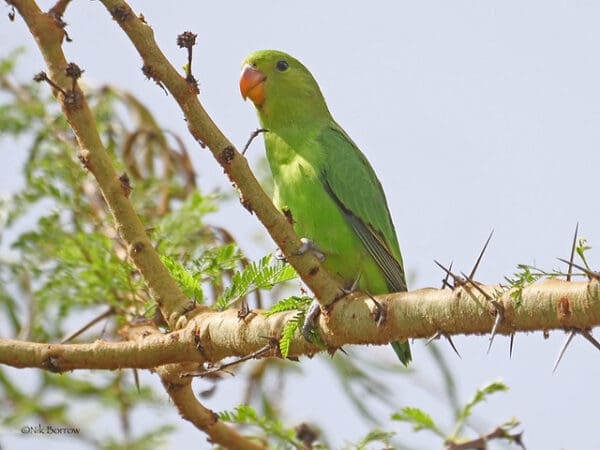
{"points": [[152, 351], [191, 409], [212, 336], [93, 155], [201, 126]]}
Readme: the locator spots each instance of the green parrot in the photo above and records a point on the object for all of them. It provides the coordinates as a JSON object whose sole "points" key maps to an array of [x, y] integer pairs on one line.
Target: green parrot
{"points": [[322, 181]]}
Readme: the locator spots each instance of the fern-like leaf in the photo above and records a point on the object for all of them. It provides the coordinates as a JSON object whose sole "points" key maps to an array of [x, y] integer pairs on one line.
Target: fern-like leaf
{"points": [[256, 275]]}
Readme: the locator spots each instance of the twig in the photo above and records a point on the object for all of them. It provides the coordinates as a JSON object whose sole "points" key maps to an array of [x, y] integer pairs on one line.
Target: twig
{"points": [[268, 348], [253, 136]]}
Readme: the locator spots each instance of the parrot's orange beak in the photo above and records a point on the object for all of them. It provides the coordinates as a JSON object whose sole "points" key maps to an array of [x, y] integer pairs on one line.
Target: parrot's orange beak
{"points": [[252, 84]]}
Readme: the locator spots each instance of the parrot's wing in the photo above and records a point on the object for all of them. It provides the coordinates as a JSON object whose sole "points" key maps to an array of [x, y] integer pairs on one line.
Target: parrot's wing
{"points": [[351, 182]]}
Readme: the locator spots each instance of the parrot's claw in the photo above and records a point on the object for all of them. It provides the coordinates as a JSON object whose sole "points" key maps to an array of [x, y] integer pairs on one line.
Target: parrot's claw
{"points": [[309, 322], [310, 246], [354, 287], [278, 255]]}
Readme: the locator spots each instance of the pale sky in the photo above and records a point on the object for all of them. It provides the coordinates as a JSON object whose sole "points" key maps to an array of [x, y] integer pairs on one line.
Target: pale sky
{"points": [[475, 115]]}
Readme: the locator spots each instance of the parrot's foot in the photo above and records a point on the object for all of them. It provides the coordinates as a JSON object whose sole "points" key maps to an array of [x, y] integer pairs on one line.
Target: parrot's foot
{"points": [[310, 246], [309, 322], [353, 287], [307, 246], [279, 256]]}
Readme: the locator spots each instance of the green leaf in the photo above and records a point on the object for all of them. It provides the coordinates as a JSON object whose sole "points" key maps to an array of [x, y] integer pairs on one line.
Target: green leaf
{"points": [[256, 275], [419, 420], [480, 395], [375, 436], [189, 284], [289, 304], [581, 248], [274, 431], [288, 332]]}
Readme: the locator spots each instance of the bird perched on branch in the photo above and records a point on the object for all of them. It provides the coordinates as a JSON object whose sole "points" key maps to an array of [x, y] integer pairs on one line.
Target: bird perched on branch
{"points": [[322, 181]]}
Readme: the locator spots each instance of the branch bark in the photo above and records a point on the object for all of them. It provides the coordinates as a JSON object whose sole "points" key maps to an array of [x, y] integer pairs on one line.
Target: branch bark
{"points": [[212, 336]]}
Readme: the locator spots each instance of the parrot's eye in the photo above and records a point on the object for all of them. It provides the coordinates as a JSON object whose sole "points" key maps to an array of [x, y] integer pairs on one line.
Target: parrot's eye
{"points": [[282, 65]]}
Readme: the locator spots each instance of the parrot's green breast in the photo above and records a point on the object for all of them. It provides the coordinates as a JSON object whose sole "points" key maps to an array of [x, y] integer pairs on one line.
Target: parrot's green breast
{"points": [[300, 192]]}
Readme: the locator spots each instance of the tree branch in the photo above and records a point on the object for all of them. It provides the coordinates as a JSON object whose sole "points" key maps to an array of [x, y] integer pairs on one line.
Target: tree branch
{"points": [[212, 336], [192, 410], [48, 35]]}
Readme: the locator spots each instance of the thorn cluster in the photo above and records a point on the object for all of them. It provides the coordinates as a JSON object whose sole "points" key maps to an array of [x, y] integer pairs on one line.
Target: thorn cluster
{"points": [[72, 98], [187, 40], [591, 276]]}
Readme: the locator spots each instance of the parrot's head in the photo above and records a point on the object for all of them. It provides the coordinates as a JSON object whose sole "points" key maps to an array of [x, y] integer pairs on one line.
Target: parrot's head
{"points": [[282, 89]]}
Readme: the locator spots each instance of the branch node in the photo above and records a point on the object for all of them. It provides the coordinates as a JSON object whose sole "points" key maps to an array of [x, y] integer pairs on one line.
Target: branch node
{"points": [[227, 155], [137, 247], [244, 310], [187, 40], [121, 13], [125, 184], [52, 364], [84, 158], [57, 12], [151, 74], [306, 435]]}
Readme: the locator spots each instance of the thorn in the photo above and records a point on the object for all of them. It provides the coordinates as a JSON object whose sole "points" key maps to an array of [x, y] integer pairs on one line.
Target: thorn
{"points": [[452, 345], [136, 379], [445, 280], [458, 281], [354, 287], [586, 334], [497, 321], [263, 351], [573, 245], [476, 286], [253, 136], [380, 311], [512, 341], [111, 311], [448, 337], [589, 273], [481, 255], [433, 338], [563, 349], [244, 309]]}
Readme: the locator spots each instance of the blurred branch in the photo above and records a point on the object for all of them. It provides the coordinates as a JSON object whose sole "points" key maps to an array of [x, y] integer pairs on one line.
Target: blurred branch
{"points": [[212, 336], [49, 36]]}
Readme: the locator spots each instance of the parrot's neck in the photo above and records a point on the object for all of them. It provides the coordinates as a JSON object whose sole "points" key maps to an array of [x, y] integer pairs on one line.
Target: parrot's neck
{"points": [[294, 128]]}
